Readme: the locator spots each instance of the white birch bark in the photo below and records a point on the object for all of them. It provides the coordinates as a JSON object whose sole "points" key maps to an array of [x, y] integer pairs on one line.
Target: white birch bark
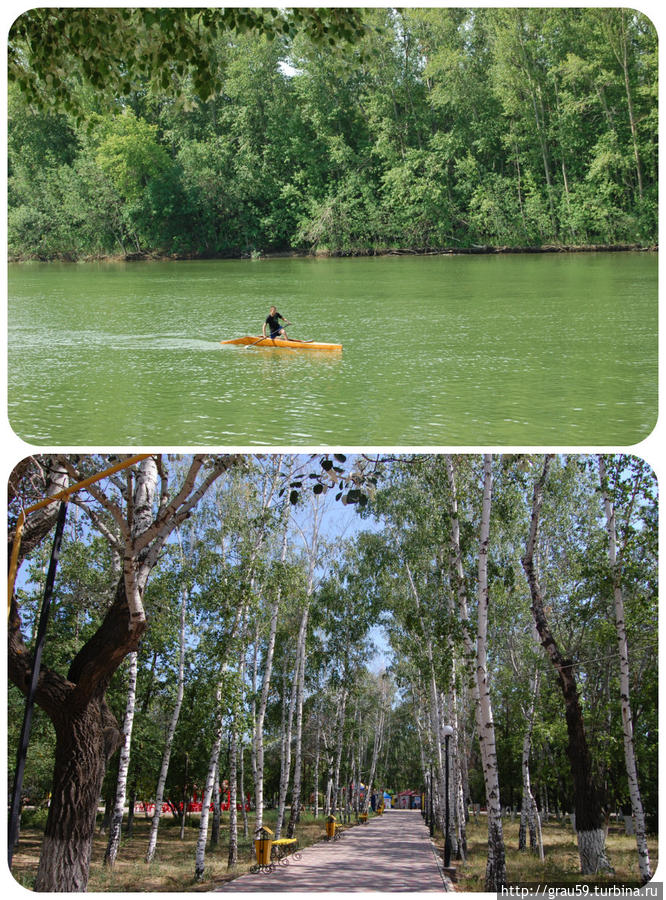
{"points": [[298, 744], [529, 803], [376, 750], [166, 756], [315, 774], [340, 721], [435, 716], [233, 795], [285, 752], [123, 768], [258, 745], [312, 547], [496, 865], [199, 865], [625, 701]]}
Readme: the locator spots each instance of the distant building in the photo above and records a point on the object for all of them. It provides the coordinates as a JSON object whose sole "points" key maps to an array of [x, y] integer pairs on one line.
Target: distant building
{"points": [[408, 800]]}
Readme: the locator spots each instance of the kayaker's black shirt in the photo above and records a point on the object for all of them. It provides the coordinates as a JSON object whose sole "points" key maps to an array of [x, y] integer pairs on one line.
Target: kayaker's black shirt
{"points": [[273, 323]]}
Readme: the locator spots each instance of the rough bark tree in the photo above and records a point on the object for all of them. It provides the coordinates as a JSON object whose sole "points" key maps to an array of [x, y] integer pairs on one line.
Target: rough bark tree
{"points": [[588, 806], [87, 733]]}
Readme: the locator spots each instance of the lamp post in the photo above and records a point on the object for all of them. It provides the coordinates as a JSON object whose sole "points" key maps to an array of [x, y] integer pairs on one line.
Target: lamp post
{"points": [[447, 731]]}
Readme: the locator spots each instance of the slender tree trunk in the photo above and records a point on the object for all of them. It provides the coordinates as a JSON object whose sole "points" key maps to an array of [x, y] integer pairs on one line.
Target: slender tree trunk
{"points": [[529, 806], [496, 865], [129, 829], [166, 756], [298, 748], [216, 801], [199, 865], [496, 854], [258, 755], [183, 816], [618, 40], [435, 716], [376, 750], [313, 555], [338, 750], [589, 817], [242, 789], [625, 701], [115, 827], [233, 799], [285, 755], [315, 773]]}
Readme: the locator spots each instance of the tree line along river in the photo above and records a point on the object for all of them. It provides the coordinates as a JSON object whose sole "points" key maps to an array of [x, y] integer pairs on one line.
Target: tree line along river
{"points": [[437, 351]]}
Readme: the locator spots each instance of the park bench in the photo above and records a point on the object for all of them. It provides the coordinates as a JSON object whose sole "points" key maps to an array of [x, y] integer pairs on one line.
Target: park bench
{"points": [[283, 848], [334, 831]]}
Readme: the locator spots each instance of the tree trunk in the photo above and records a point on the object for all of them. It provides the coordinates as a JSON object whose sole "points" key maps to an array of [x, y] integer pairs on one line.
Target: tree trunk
{"points": [[496, 868], [166, 756], [115, 827], [298, 749], [435, 716], [241, 785], [86, 737], [216, 801], [129, 828], [338, 750], [625, 701], [199, 865], [496, 865], [315, 774], [589, 818], [313, 554], [233, 791], [258, 744], [618, 40], [285, 754]]}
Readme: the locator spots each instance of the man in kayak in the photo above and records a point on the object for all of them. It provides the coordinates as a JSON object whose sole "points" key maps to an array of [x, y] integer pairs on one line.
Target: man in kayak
{"points": [[275, 330]]}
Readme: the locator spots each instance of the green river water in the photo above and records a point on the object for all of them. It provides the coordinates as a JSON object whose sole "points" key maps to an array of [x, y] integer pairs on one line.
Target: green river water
{"points": [[438, 351]]}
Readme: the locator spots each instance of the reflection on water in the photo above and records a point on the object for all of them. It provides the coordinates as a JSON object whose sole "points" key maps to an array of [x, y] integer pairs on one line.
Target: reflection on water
{"points": [[436, 351]]}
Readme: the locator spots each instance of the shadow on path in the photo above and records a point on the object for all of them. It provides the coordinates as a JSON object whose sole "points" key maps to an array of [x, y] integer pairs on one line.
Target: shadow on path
{"points": [[392, 852]]}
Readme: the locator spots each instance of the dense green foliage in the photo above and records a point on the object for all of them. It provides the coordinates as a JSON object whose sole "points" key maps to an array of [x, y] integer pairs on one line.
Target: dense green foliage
{"points": [[363, 585], [425, 129]]}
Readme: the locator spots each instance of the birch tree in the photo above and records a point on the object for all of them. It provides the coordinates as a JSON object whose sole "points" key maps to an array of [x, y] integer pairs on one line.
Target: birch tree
{"points": [[200, 865], [312, 543], [173, 723], [615, 562], [121, 784], [496, 865], [589, 816]]}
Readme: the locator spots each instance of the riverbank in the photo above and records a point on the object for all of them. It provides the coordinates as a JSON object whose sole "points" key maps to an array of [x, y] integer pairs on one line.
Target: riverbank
{"points": [[323, 253]]}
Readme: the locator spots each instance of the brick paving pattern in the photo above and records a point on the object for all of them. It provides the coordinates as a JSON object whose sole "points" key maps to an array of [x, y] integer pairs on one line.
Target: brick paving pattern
{"points": [[392, 852]]}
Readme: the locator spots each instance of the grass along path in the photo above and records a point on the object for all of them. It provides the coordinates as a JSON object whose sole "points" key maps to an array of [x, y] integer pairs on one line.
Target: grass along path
{"points": [[560, 865], [173, 867]]}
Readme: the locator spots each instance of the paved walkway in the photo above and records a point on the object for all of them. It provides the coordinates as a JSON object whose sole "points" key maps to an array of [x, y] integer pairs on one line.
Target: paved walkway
{"points": [[392, 852]]}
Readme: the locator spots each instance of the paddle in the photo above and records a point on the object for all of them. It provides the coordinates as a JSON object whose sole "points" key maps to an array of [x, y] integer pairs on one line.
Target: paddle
{"points": [[257, 342], [285, 338]]}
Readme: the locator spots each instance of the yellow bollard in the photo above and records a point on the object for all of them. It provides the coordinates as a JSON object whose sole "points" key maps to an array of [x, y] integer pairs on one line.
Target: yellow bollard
{"points": [[330, 827], [263, 843]]}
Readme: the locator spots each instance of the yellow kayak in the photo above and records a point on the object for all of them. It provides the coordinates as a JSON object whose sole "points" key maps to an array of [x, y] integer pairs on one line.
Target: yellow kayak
{"points": [[291, 344]]}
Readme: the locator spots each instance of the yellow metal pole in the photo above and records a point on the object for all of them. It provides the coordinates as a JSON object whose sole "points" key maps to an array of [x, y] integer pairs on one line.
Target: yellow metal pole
{"points": [[61, 495]]}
